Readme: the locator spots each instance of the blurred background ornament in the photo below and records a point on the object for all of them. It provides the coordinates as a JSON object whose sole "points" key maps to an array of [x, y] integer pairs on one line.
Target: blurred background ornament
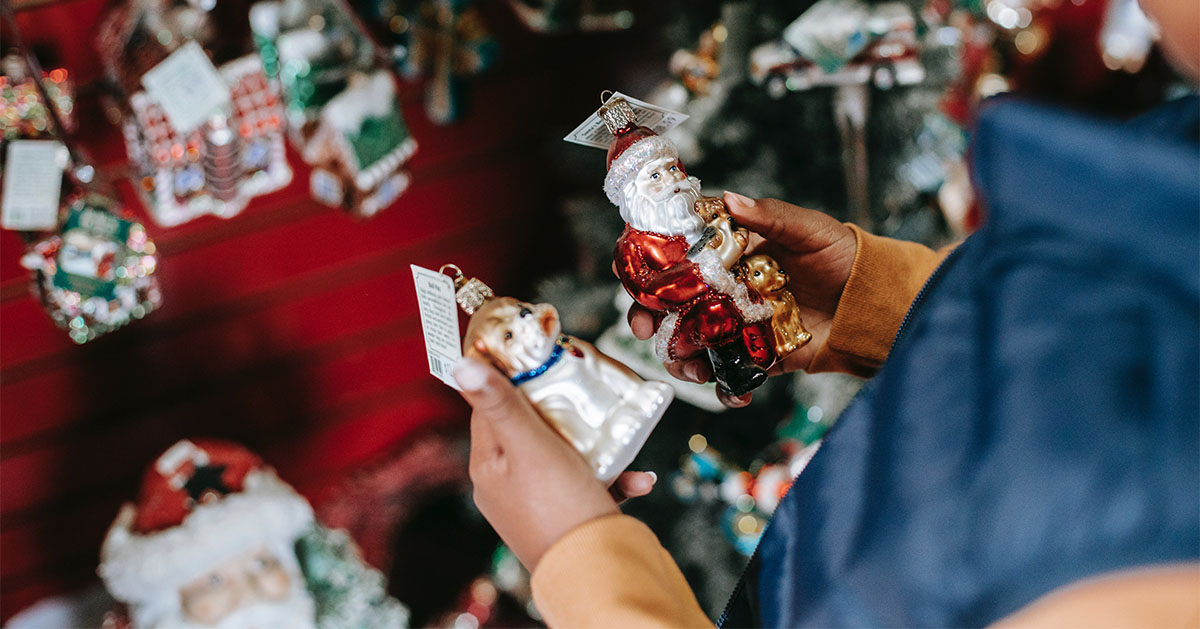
{"points": [[98, 272], [218, 167], [23, 112], [359, 147], [342, 102], [447, 44], [1126, 36], [564, 16]]}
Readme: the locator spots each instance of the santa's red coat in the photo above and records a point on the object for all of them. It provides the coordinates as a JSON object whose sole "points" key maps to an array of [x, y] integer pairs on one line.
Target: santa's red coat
{"points": [[654, 268]]}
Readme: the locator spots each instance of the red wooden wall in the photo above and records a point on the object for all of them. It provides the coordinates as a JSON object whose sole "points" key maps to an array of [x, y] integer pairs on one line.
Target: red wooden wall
{"points": [[291, 327]]}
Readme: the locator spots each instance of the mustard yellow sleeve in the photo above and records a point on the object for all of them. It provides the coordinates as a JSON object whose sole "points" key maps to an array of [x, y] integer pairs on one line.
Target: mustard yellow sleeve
{"points": [[1152, 597], [613, 572], [886, 276]]}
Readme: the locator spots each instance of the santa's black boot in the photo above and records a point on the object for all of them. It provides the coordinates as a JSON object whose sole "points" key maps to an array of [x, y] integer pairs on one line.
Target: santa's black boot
{"points": [[736, 374]]}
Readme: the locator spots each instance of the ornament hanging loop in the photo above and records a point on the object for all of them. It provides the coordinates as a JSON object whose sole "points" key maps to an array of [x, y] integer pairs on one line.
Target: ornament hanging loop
{"points": [[469, 293], [605, 95], [457, 276]]}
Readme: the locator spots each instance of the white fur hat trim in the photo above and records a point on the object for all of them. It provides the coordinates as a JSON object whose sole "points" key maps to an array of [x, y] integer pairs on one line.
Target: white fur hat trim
{"points": [[139, 568]]}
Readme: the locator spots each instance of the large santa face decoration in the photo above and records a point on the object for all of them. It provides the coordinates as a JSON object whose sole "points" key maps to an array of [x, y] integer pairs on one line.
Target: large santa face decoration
{"points": [[210, 543], [679, 257]]}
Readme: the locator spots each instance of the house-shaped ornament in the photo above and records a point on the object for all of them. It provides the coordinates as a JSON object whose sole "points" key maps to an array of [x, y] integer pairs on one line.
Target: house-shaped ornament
{"points": [[219, 166], [360, 146]]}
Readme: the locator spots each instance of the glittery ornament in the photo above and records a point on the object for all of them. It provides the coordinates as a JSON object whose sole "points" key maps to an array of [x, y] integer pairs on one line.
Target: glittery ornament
{"points": [[680, 256], [218, 167], [97, 273], [23, 113], [359, 146]]}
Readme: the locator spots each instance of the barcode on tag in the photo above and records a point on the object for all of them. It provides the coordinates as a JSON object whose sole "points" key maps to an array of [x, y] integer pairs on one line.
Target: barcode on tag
{"points": [[439, 322], [658, 119], [33, 171], [188, 88]]}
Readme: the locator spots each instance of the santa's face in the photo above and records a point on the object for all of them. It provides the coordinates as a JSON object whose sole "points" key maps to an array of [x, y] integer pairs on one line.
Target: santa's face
{"points": [[662, 199], [659, 177], [253, 589]]}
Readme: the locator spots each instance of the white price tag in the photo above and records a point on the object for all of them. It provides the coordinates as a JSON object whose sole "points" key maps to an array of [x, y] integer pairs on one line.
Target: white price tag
{"points": [[32, 184], [658, 119], [188, 88], [439, 322]]}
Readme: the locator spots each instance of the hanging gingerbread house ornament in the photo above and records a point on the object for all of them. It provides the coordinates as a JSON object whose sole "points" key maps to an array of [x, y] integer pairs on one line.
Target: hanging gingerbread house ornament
{"points": [[203, 136], [96, 273], [342, 108], [235, 154], [360, 146], [681, 256]]}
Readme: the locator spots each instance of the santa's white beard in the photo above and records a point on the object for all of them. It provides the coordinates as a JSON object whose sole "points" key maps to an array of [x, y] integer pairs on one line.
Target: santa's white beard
{"points": [[670, 213]]}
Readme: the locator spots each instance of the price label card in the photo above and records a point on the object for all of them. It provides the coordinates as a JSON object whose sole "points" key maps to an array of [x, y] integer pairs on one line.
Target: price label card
{"points": [[187, 87], [33, 174], [658, 119], [439, 322]]}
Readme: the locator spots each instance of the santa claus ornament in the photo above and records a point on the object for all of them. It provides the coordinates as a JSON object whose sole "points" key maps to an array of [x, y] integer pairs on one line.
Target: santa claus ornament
{"points": [[596, 403], [216, 539], [681, 256]]}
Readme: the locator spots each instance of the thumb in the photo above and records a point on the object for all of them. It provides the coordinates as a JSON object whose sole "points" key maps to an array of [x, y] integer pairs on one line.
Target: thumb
{"points": [[496, 400], [791, 226]]}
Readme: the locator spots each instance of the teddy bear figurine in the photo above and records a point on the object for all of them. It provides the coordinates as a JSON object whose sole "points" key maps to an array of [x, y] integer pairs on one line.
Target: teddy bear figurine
{"points": [[729, 241], [765, 277], [600, 406]]}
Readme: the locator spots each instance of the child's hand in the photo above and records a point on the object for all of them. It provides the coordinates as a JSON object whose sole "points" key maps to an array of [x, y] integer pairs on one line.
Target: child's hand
{"points": [[530, 484], [817, 252]]}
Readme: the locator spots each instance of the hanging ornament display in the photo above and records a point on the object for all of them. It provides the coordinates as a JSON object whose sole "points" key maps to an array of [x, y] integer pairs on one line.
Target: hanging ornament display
{"points": [[446, 44], [597, 404], [680, 256], [96, 273], [752, 494], [847, 45], [697, 69], [23, 112], [841, 42], [561, 16], [342, 108]]}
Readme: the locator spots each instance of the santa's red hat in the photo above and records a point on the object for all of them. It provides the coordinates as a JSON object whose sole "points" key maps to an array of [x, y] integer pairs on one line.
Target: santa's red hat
{"points": [[632, 147], [201, 503]]}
